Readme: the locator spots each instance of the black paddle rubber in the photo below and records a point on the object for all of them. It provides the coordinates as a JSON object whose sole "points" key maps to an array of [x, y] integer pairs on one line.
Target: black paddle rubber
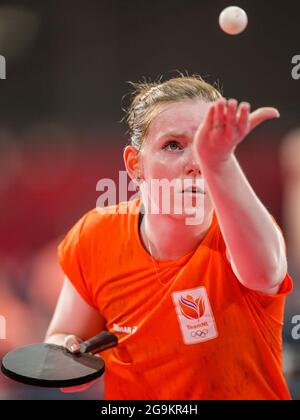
{"points": [[52, 366]]}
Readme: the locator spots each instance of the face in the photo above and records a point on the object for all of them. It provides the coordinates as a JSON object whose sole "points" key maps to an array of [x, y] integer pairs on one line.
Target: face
{"points": [[168, 154]]}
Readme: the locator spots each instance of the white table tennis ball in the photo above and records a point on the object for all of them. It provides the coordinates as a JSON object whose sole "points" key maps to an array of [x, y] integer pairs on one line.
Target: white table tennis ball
{"points": [[233, 20]]}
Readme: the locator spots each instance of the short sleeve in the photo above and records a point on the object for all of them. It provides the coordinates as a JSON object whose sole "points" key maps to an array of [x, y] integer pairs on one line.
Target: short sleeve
{"points": [[269, 305], [71, 260], [273, 305]]}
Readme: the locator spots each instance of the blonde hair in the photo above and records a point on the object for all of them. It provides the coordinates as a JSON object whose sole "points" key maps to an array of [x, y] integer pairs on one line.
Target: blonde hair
{"points": [[146, 96]]}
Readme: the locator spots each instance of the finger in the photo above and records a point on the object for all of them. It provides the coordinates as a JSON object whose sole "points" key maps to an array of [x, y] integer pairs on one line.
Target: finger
{"points": [[262, 114], [243, 118], [231, 117], [219, 116], [70, 389], [78, 388], [72, 343], [208, 121]]}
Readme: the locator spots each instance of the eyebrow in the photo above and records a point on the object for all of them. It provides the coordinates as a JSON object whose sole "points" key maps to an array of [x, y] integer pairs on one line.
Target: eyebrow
{"points": [[171, 134]]}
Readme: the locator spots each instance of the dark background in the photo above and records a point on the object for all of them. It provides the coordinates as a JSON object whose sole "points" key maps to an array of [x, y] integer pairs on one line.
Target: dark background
{"points": [[60, 122], [76, 66]]}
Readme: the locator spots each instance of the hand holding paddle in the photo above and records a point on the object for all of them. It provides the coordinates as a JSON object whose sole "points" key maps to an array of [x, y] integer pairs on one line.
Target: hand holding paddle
{"points": [[49, 365]]}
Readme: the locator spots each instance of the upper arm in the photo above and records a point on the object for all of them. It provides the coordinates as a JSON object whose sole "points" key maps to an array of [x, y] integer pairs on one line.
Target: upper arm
{"points": [[73, 315]]}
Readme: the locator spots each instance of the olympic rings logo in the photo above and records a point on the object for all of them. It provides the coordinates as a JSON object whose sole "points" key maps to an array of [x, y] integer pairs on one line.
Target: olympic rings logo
{"points": [[200, 333]]}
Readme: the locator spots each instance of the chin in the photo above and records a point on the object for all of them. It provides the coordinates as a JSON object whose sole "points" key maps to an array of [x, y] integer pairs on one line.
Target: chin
{"points": [[194, 215]]}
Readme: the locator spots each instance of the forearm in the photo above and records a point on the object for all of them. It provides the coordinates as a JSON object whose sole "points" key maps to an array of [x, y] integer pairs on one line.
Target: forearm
{"points": [[254, 242], [58, 339]]}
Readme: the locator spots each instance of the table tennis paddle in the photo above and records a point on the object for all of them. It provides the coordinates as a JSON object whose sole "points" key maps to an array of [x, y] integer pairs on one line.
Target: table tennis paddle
{"points": [[49, 365]]}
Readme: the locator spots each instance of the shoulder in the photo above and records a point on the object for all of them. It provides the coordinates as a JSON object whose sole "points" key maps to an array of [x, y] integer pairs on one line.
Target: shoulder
{"points": [[106, 220], [99, 230]]}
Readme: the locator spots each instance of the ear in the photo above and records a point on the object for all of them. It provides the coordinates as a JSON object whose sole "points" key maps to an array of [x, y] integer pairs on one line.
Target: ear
{"points": [[131, 161]]}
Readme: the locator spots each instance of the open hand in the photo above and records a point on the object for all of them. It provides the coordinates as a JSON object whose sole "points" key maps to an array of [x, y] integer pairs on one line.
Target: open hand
{"points": [[225, 126]]}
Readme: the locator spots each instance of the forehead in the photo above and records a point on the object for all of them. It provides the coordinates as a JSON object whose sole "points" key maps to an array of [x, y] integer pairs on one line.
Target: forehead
{"points": [[177, 117]]}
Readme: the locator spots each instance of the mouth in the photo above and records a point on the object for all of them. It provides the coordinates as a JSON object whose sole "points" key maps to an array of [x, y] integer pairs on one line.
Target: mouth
{"points": [[193, 190]]}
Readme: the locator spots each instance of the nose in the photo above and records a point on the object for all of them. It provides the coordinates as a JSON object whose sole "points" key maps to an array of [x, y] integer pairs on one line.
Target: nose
{"points": [[192, 167]]}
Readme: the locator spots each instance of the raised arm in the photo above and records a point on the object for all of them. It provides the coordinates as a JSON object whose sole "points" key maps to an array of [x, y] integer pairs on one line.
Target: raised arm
{"points": [[255, 246]]}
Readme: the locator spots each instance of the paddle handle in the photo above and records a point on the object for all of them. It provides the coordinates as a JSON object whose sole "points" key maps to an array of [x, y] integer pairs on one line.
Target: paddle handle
{"points": [[100, 342]]}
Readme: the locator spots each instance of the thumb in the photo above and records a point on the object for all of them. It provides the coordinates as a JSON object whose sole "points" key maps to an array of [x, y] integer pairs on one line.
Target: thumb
{"points": [[72, 343], [260, 115], [206, 124]]}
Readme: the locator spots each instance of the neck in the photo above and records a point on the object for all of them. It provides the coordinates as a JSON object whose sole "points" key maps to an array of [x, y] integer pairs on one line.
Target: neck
{"points": [[169, 238]]}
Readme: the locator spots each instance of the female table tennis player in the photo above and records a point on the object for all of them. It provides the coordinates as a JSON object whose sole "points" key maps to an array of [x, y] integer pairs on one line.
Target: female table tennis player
{"points": [[197, 307]]}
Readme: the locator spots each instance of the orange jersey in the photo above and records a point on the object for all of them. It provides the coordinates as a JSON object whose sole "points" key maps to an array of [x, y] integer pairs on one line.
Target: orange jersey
{"points": [[194, 332]]}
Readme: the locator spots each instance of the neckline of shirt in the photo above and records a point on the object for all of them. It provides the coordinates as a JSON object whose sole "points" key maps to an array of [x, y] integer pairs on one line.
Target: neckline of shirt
{"points": [[160, 263]]}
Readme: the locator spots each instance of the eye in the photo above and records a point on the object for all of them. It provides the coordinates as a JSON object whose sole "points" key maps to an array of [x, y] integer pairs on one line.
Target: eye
{"points": [[172, 146]]}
